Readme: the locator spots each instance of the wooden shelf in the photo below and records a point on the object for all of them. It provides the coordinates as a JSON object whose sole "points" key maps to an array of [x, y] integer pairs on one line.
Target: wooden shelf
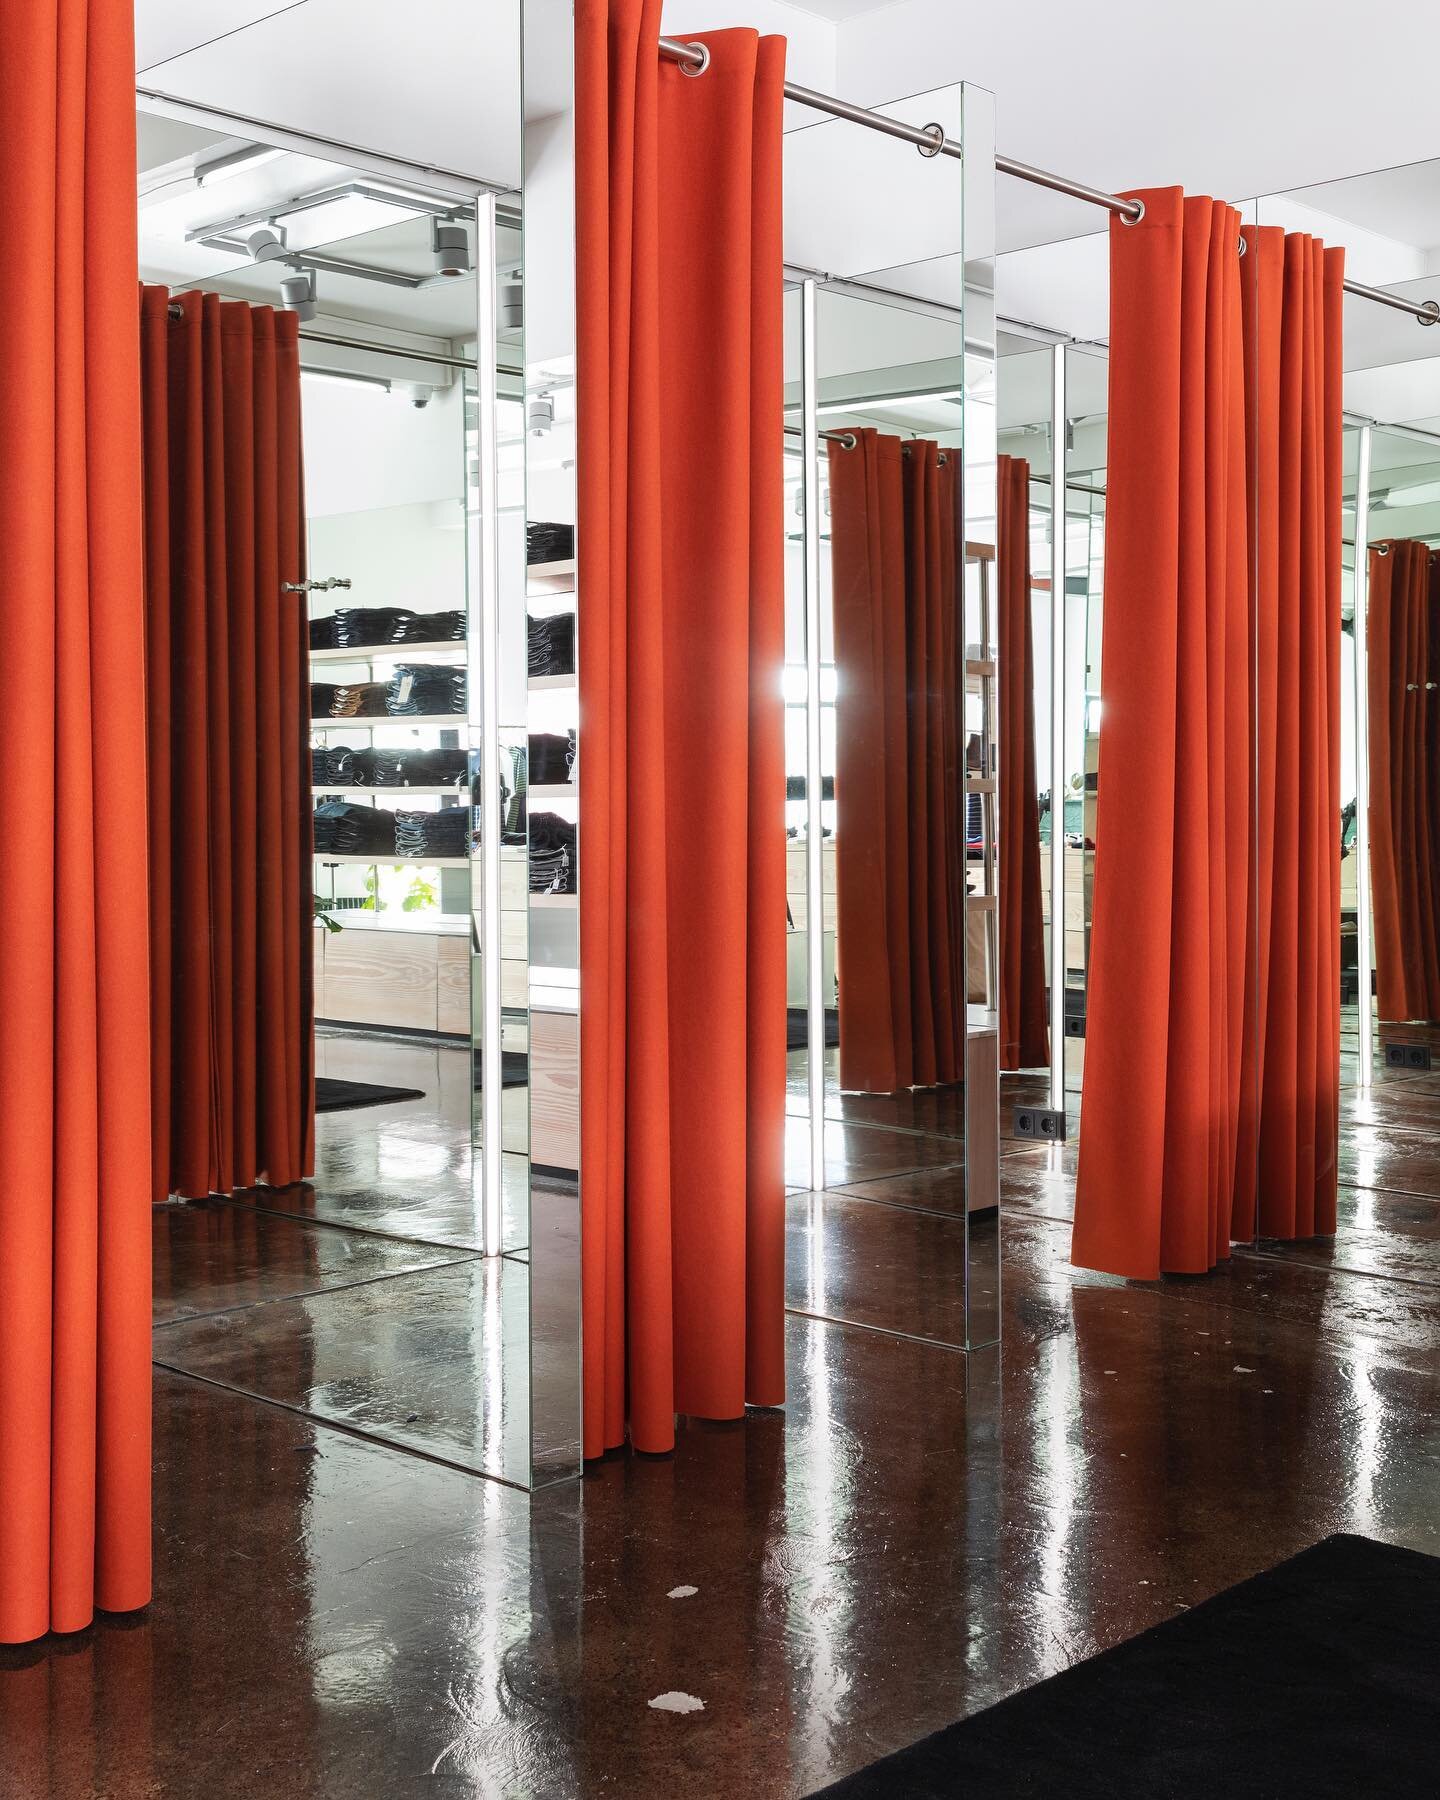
{"points": [[409, 721], [370, 653], [390, 793], [559, 902], [976, 552], [389, 862], [552, 790], [541, 682], [975, 665], [980, 784]]}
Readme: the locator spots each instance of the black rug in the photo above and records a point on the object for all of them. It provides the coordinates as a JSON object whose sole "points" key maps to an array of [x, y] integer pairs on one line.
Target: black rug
{"points": [[514, 1069], [797, 1027], [1320, 1677], [346, 1096]]}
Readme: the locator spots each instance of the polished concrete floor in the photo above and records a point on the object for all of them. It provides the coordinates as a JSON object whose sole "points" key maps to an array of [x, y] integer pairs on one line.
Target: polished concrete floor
{"points": [[344, 1608]]}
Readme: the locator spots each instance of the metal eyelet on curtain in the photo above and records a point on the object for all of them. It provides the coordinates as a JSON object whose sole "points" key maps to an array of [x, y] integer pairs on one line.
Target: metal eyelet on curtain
{"points": [[1242, 246], [703, 52], [1126, 218], [847, 440], [937, 139], [1382, 549]]}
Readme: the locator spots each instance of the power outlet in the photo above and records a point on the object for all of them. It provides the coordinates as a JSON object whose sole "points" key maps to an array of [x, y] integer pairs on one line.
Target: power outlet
{"points": [[1040, 1123], [1075, 1025], [1407, 1056]]}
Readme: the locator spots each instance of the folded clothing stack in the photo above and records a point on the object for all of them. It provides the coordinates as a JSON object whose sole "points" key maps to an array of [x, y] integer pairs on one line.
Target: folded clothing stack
{"points": [[332, 765], [348, 700], [411, 768], [372, 627], [552, 759], [424, 688], [345, 829], [551, 645], [552, 855], [512, 792], [442, 833], [549, 543]]}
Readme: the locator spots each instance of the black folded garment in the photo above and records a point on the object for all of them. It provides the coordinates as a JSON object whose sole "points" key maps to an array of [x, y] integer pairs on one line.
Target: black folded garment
{"points": [[512, 830], [348, 700], [333, 765], [552, 855], [343, 828], [367, 627], [795, 787], [551, 645], [434, 628], [424, 688], [445, 832], [411, 768], [552, 759], [549, 542]]}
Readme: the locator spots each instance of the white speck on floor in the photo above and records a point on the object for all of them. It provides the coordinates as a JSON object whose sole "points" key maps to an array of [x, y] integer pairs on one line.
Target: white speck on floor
{"points": [[1240, 1369], [681, 1703], [681, 1593]]}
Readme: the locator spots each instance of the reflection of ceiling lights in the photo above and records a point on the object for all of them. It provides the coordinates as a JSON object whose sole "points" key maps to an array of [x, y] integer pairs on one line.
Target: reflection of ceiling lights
{"points": [[540, 415], [511, 309], [345, 378], [1423, 493], [867, 402], [298, 294], [234, 162]]}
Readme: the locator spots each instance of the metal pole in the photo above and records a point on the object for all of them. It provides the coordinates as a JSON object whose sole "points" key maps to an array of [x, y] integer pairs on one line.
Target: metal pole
{"points": [[1058, 471], [1364, 1000], [491, 1059], [1078, 190], [1426, 311], [814, 780]]}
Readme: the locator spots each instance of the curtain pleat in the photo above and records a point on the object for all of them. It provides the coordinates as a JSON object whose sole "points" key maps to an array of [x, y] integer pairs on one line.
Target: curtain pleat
{"points": [[899, 764], [232, 997], [74, 1000], [1404, 669], [1161, 1101], [1024, 1023], [681, 644], [1211, 1099]]}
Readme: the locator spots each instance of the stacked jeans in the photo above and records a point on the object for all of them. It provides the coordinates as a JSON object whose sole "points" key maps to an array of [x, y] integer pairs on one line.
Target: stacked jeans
{"points": [[426, 688], [373, 627], [552, 855], [551, 645], [433, 834], [411, 768], [552, 759], [333, 765], [345, 829], [548, 542], [348, 700]]}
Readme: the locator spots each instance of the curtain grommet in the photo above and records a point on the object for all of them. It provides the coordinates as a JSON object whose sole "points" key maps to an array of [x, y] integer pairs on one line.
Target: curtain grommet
{"points": [[1429, 312], [936, 134], [1129, 218], [1382, 549], [703, 52]]}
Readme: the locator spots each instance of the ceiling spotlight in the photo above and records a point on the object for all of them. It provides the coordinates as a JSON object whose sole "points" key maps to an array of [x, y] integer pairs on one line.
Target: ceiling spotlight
{"points": [[265, 243], [297, 294], [512, 305], [451, 247], [540, 414]]}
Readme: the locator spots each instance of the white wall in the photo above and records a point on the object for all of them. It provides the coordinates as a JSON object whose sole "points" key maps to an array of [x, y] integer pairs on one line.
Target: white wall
{"points": [[365, 448]]}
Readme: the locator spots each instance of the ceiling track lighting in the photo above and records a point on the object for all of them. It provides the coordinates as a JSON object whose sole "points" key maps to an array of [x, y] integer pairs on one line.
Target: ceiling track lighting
{"points": [[540, 415], [450, 247], [298, 294], [510, 308], [266, 243]]}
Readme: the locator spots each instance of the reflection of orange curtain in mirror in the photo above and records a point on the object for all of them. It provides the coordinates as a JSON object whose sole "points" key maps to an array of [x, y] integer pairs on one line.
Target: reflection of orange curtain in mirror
{"points": [[899, 763], [229, 705], [1404, 670], [1024, 1027], [1287, 1163], [681, 538], [74, 999]]}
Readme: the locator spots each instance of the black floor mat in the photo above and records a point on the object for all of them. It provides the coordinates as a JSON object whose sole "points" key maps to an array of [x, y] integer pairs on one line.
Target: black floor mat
{"points": [[346, 1096]]}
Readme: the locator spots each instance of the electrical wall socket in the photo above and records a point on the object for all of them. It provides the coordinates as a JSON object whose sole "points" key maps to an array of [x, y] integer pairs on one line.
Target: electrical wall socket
{"points": [[1407, 1056], [1040, 1123]]}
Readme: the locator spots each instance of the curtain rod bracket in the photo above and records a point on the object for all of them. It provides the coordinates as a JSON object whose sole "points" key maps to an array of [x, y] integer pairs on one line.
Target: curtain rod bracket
{"points": [[937, 139], [1429, 312]]}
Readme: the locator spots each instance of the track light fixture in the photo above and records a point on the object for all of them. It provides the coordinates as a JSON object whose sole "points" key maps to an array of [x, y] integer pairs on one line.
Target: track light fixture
{"points": [[297, 294], [450, 245], [511, 308], [265, 243]]}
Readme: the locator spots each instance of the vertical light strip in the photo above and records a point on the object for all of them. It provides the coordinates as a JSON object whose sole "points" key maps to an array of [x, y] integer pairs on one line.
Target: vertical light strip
{"points": [[491, 1065], [1365, 1004], [814, 842], [1059, 490]]}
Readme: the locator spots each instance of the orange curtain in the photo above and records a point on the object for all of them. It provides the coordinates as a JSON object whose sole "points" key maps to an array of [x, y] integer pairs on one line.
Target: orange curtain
{"points": [[227, 662], [74, 1001], [1286, 1173], [1160, 1113], [1024, 1025], [899, 851], [681, 647], [1404, 681]]}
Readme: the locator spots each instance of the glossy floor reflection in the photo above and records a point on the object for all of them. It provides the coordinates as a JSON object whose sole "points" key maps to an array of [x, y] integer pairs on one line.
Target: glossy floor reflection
{"points": [[917, 1534]]}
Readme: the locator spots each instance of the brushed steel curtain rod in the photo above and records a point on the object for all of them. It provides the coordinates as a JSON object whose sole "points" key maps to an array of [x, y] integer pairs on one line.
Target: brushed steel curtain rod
{"points": [[930, 140]]}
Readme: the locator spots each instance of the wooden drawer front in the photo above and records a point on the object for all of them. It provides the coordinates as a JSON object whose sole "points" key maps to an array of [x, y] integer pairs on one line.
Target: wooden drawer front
{"points": [[555, 1089], [380, 978], [452, 999]]}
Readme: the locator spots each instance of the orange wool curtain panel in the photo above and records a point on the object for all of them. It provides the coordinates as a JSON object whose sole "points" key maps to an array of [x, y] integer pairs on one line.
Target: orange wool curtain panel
{"points": [[899, 786], [1212, 1034], [681, 627], [1287, 1169], [1024, 1000], [1404, 693], [227, 665], [74, 998]]}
